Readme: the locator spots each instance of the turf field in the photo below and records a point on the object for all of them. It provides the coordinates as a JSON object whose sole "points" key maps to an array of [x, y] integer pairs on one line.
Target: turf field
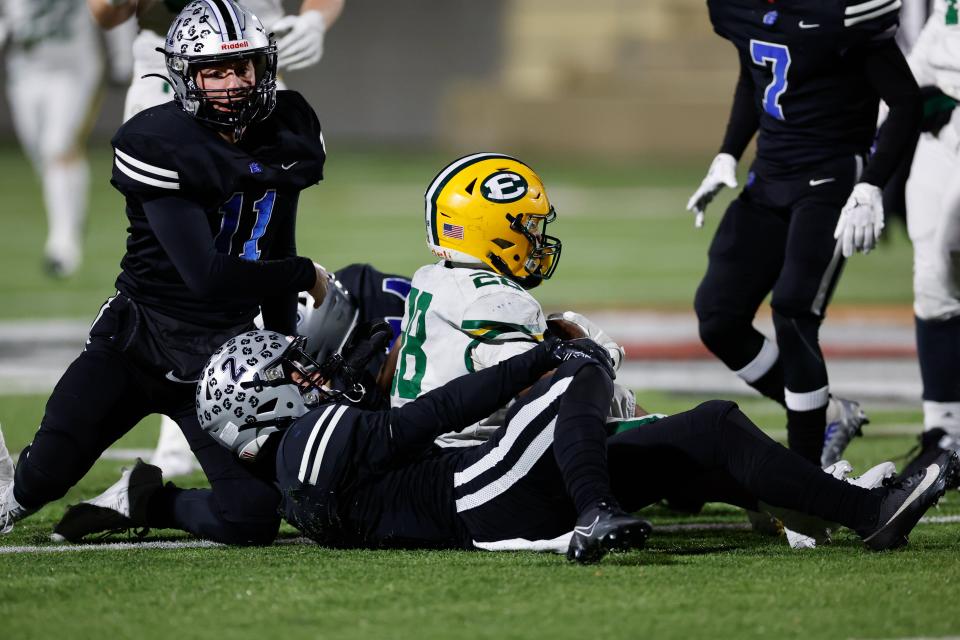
{"points": [[628, 243]]}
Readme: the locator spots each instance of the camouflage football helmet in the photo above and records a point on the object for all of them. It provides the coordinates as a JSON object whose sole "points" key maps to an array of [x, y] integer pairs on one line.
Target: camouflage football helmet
{"points": [[491, 209], [247, 392], [208, 32]]}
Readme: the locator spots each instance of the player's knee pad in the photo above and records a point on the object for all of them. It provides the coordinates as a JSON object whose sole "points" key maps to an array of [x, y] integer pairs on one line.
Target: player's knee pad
{"points": [[936, 291], [712, 412]]}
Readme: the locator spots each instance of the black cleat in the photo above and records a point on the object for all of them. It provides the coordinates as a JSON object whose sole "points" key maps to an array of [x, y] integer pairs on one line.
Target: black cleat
{"points": [[908, 498], [122, 507], [605, 528], [932, 443]]}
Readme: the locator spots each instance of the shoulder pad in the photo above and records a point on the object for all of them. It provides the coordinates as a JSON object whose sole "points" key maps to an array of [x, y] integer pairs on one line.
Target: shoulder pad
{"points": [[504, 315], [160, 152], [142, 162]]}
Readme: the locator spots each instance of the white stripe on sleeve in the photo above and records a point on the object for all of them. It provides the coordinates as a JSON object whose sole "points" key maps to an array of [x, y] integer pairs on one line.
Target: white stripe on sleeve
{"points": [[318, 461], [149, 168], [139, 177]]}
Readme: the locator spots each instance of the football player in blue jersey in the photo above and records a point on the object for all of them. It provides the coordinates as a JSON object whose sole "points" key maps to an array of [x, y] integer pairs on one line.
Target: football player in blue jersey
{"points": [[812, 75], [211, 182]]}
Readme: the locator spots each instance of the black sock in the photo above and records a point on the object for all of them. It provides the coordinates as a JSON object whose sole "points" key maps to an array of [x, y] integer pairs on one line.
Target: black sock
{"points": [[580, 441], [938, 349], [805, 432]]}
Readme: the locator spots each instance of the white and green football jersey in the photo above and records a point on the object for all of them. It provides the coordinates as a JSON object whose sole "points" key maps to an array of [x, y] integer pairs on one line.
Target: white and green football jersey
{"points": [[459, 320]]}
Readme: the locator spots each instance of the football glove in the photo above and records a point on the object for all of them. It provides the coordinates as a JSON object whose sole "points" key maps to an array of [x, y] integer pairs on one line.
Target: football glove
{"points": [[722, 172], [595, 333], [562, 350], [861, 220], [300, 41]]}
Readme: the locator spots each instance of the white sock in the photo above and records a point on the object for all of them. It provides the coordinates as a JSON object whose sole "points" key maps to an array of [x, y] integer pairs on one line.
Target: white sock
{"points": [[66, 186], [945, 415]]}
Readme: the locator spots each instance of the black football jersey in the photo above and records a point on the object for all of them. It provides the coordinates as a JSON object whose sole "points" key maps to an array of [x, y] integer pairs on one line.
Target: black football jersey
{"points": [[247, 192], [806, 58]]}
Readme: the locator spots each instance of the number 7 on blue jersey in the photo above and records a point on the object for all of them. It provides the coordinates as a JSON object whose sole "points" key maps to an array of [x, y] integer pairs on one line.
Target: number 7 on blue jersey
{"points": [[778, 56]]}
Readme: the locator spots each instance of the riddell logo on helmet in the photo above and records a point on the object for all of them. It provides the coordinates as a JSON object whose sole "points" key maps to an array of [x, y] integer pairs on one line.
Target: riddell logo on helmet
{"points": [[227, 46]]}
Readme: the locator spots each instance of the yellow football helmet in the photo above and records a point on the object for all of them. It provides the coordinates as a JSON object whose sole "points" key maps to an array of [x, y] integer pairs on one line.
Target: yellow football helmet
{"points": [[491, 209]]}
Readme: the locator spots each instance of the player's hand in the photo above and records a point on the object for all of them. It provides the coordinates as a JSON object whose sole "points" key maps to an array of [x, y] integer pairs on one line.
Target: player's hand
{"points": [[300, 41], [591, 330], [562, 350], [861, 220], [722, 172], [319, 290]]}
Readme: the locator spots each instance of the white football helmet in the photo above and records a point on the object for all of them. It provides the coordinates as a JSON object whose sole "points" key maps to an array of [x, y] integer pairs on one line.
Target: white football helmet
{"points": [[214, 31]]}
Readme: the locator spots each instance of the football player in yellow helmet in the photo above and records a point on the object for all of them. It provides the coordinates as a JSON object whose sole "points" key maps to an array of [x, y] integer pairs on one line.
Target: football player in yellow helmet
{"points": [[491, 209]]}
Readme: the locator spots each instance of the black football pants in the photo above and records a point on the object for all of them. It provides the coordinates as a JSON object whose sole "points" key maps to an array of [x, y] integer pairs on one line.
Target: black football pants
{"points": [[103, 394], [777, 239]]}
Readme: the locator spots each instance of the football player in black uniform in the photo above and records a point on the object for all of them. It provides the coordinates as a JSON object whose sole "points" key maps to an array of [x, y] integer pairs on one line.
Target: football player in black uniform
{"points": [[812, 74], [211, 184], [353, 477]]}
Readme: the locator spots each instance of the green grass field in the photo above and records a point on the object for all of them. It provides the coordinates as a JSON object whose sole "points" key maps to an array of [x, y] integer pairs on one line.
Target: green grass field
{"points": [[628, 243]]}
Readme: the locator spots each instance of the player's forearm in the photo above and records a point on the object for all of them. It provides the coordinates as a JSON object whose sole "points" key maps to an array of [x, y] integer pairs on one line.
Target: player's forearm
{"points": [[467, 399], [110, 13], [744, 119], [329, 9], [889, 73], [181, 227]]}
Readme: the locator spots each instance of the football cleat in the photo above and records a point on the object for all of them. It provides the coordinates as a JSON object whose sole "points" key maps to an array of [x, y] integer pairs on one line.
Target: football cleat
{"points": [[122, 507], [605, 528], [932, 443], [764, 523], [908, 498], [845, 420], [871, 479]]}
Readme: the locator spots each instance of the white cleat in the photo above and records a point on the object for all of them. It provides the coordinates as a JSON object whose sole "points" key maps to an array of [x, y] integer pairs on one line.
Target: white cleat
{"points": [[10, 510], [122, 507]]}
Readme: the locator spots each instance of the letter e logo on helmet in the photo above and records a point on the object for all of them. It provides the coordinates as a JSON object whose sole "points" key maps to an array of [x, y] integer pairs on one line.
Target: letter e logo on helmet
{"points": [[504, 186]]}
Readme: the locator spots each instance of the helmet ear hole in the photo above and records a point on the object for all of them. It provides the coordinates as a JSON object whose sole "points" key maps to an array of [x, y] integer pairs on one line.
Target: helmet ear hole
{"points": [[470, 187], [502, 243]]}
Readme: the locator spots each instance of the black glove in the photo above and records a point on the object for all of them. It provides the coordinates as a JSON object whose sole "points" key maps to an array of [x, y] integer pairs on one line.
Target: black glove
{"points": [[562, 350]]}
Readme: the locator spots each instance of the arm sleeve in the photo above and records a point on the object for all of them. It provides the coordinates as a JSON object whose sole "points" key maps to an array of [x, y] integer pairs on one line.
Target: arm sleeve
{"points": [[180, 226], [889, 73], [744, 119], [464, 401], [280, 310]]}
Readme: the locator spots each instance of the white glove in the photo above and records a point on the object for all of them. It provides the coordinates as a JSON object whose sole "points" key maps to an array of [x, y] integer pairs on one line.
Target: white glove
{"points": [[861, 220], [595, 333], [300, 41], [722, 172]]}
